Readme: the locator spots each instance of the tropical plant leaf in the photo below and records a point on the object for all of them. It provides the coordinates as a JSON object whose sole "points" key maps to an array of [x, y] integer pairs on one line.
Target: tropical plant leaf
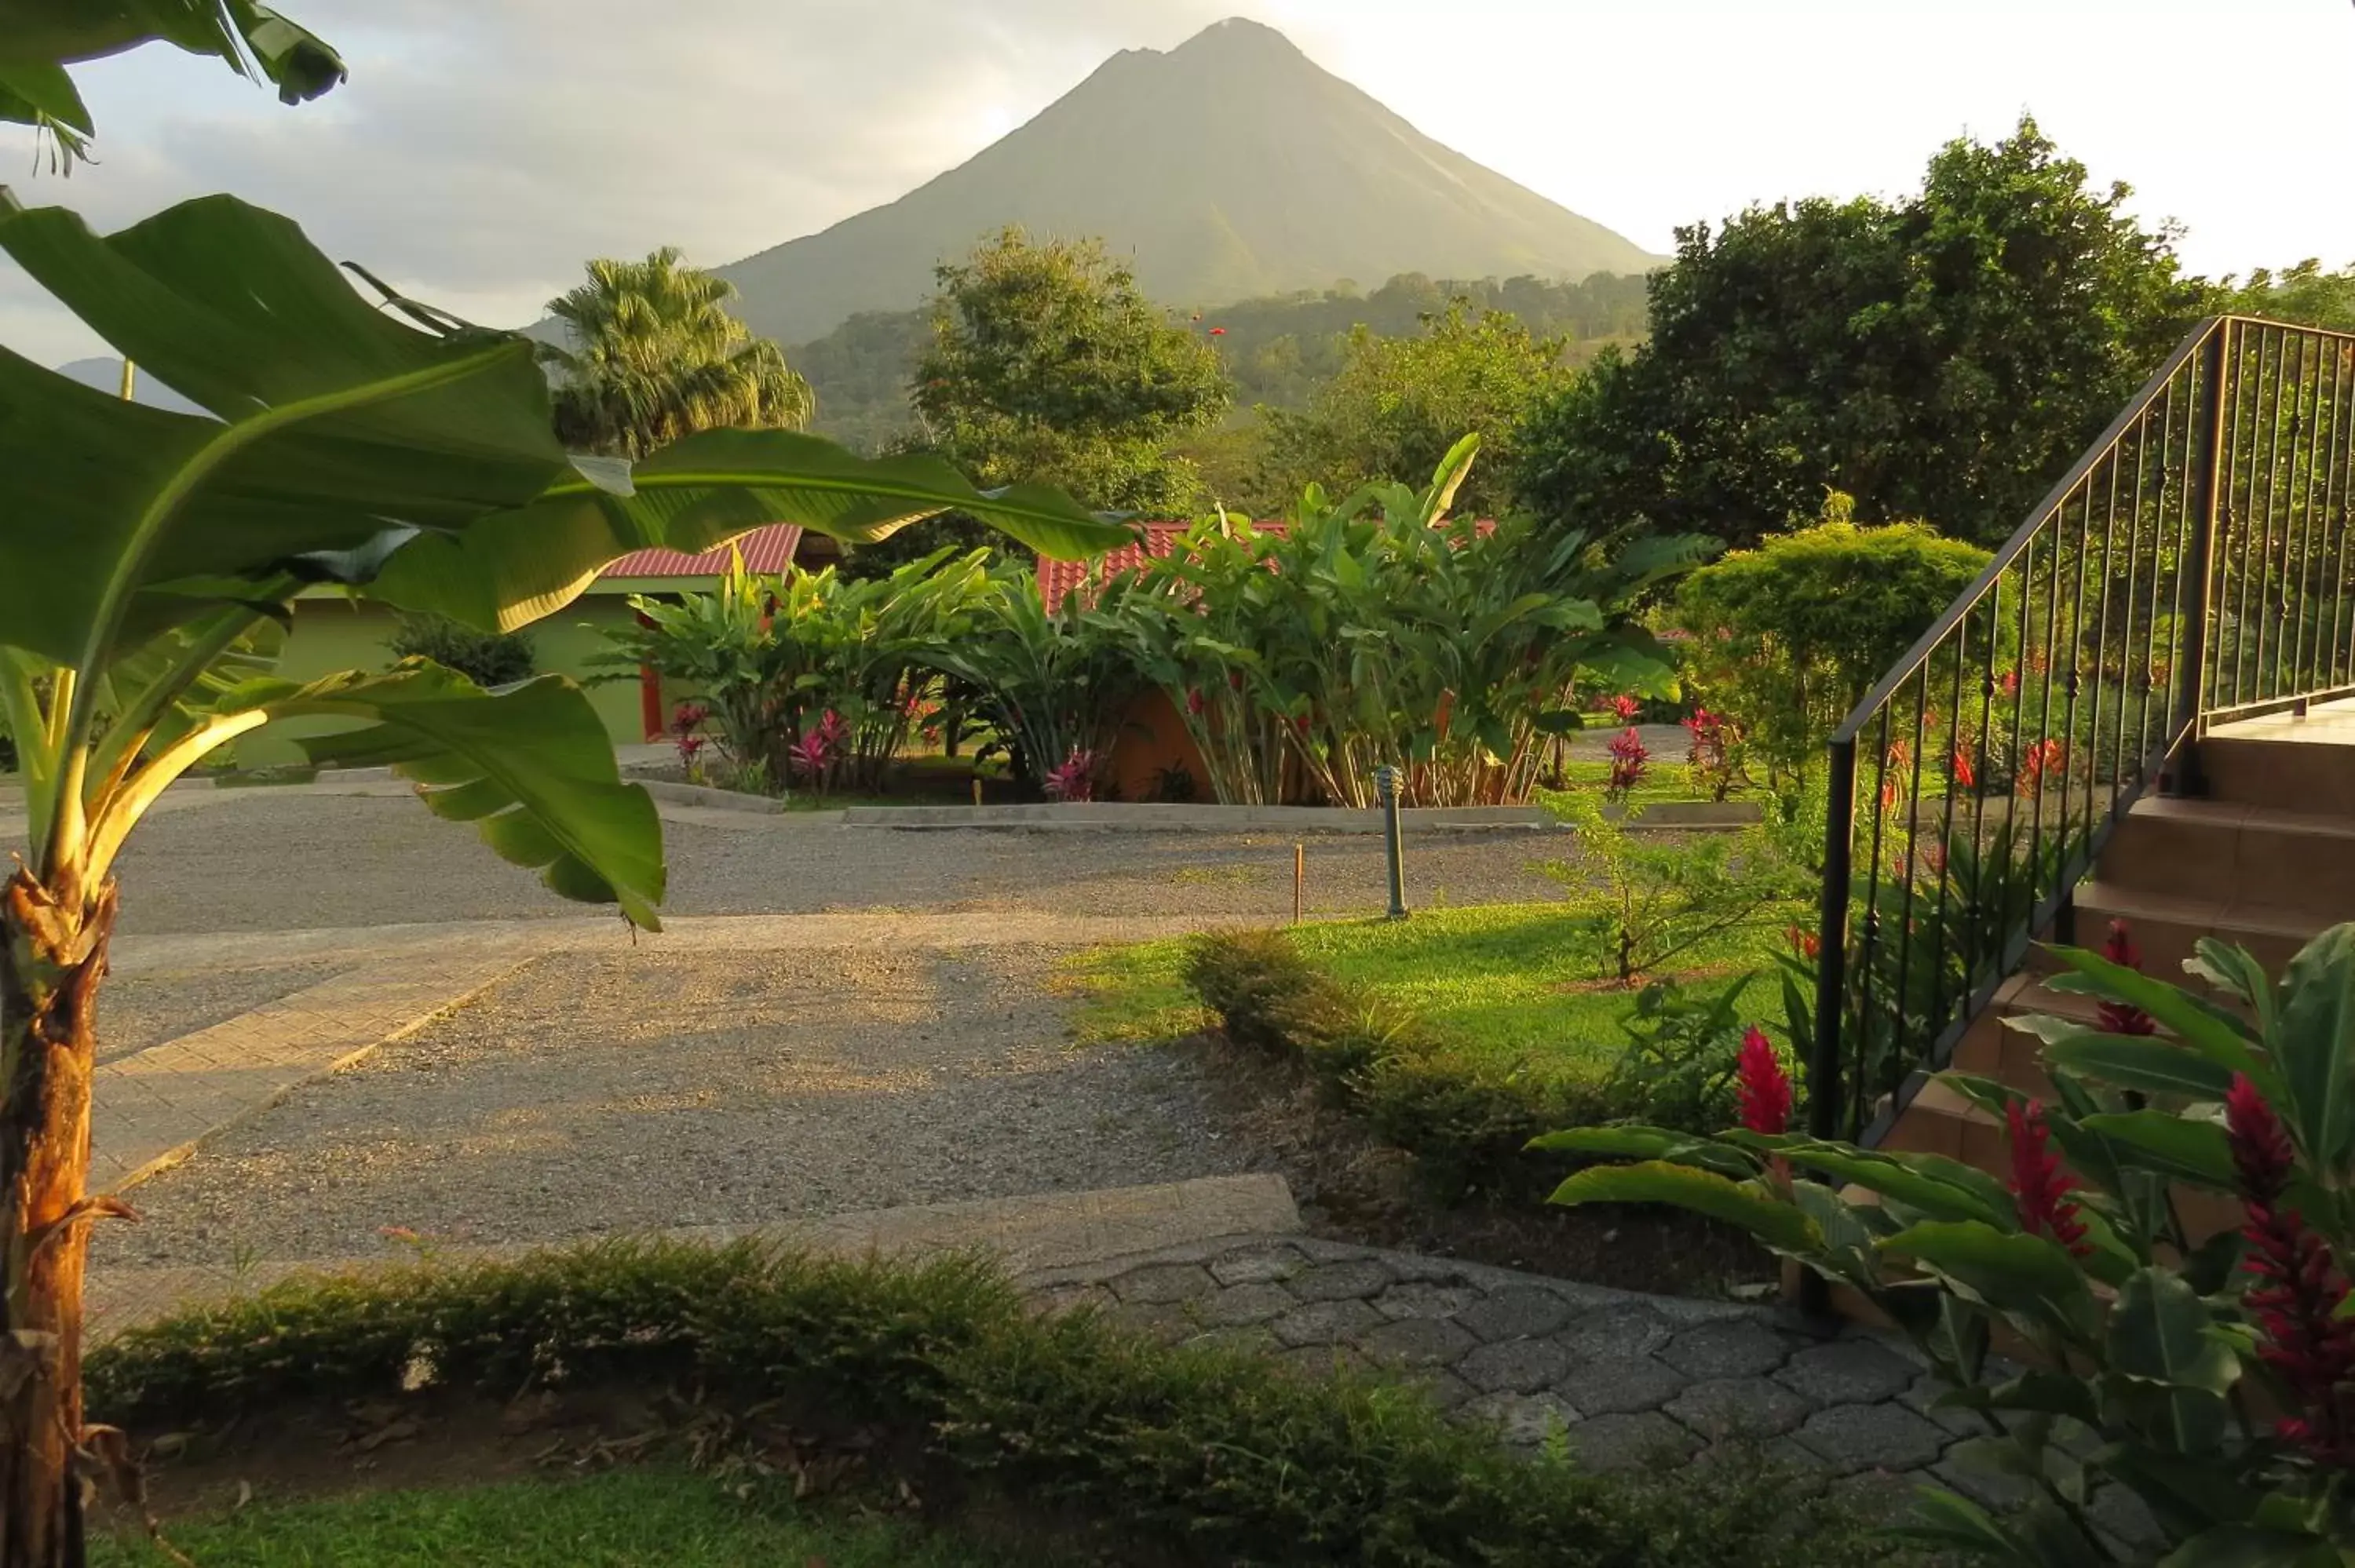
{"points": [[2141, 1061], [2159, 1335], [2173, 1146], [2214, 1034], [1771, 1220], [2251, 1546], [697, 493], [2022, 1275], [1647, 1143], [1958, 1524], [1940, 1188], [2314, 1044], [529, 766]]}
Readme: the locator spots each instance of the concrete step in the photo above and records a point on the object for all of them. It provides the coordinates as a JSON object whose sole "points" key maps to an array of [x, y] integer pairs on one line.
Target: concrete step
{"points": [[2166, 926], [2290, 775], [2224, 851], [1992, 1048]]}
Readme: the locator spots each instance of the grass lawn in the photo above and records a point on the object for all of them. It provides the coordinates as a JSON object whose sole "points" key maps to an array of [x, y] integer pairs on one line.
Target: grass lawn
{"points": [[1507, 982], [1665, 778], [619, 1519]]}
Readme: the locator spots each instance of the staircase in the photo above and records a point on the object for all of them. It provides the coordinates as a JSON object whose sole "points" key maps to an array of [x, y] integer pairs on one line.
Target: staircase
{"points": [[2263, 860], [2143, 711]]}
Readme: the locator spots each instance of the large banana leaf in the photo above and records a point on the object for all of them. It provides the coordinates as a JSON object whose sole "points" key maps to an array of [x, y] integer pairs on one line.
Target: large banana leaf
{"points": [[341, 436], [529, 766]]}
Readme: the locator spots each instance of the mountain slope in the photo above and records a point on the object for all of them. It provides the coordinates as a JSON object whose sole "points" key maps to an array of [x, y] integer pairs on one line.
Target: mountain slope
{"points": [[1231, 166]]}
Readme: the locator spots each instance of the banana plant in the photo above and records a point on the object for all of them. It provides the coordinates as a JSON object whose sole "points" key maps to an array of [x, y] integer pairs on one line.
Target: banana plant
{"points": [[2210, 1373], [408, 458]]}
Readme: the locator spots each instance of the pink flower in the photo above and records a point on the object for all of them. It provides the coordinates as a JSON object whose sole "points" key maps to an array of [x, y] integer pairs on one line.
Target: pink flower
{"points": [[1765, 1089], [2297, 1291], [1194, 701], [2041, 1184], [2122, 1017], [1628, 757], [1073, 779], [1626, 707]]}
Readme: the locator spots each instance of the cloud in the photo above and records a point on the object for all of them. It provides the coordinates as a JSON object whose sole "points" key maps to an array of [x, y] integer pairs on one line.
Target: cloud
{"points": [[481, 152]]}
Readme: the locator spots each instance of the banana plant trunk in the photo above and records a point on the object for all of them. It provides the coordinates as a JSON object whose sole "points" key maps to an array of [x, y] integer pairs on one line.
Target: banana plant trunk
{"points": [[53, 943]]}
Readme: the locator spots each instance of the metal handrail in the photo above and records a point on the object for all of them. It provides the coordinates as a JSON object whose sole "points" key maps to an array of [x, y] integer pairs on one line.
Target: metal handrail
{"points": [[2215, 537]]}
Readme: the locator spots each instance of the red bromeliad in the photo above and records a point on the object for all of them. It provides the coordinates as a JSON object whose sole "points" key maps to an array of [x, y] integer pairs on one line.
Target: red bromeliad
{"points": [[1764, 1087], [2041, 1184], [2297, 1291], [1074, 779], [1626, 707], [2123, 1017], [1629, 755]]}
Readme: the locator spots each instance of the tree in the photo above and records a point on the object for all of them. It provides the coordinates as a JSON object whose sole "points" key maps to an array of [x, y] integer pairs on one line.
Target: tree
{"points": [[416, 464], [1398, 404], [656, 356], [1046, 362], [1943, 358], [2304, 294]]}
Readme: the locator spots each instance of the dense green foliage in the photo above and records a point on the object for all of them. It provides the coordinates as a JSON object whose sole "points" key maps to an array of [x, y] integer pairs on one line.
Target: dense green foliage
{"points": [[1198, 1450], [1388, 627], [2204, 1373], [640, 1518], [1944, 357], [2304, 294], [486, 658], [1791, 635], [655, 356], [1047, 364], [1396, 404]]}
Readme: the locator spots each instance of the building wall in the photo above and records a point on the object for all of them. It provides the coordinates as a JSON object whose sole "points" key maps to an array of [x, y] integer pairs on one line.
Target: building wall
{"points": [[1152, 739], [331, 633]]}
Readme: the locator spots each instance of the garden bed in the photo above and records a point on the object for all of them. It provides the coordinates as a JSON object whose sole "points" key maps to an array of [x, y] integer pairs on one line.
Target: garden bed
{"points": [[1149, 817]]}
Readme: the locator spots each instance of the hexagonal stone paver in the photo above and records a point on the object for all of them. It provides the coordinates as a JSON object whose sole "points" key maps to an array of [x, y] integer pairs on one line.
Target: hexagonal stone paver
{"points": [[1354, 1279], [1523, 1418], [1442, 1387], [1847, 1371], [1416, 1341], [1515, 1313], [1514, 1366], [1165, 1282], [1246, 1304], [1167, 1321], [1739, 1407], [1863, 1437], [1988, 1488], [1258, 1266], [1624, 1442], [1622, 1383], [1425, 1299], [1322, 1322], [1741, 1347], [1879, 1496], [2125, 1515], [1922, 1399], [1630, 1330]]}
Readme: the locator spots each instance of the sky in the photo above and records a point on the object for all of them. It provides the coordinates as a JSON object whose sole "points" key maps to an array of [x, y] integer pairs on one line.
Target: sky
{"points": [[483, 148]]}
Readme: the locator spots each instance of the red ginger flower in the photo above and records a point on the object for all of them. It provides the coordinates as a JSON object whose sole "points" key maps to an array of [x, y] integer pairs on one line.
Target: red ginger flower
{"points": [[1194, 701], [1766, 1088], [2296, 1290], [2123, 1017], [1966, 776], [1803, 942], [2041, 1184]]}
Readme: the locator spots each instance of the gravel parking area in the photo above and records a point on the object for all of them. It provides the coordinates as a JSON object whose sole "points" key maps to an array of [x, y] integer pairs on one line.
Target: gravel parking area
{"points": [[342, 860], [136, 1010], [591, 1094]]}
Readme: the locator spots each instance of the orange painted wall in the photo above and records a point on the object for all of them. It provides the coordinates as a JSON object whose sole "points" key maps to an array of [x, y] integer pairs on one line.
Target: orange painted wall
{"points": [[1152, 737]]}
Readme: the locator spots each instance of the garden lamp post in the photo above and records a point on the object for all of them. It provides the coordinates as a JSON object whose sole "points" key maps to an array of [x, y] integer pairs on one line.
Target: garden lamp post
{"points": [[1386, 788]]}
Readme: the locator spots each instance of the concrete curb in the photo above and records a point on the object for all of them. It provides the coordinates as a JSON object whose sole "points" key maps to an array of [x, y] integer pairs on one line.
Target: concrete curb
{"points": [[704, 795]]}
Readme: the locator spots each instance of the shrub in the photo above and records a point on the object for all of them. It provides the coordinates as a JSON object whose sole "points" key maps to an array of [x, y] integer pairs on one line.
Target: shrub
{"points": [[1682, 1048], [1649, 903], [1788, 636], [486, 658], [1198, 1450]]}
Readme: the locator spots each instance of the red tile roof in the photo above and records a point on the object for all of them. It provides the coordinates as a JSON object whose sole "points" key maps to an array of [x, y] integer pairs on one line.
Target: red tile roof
{"points": [[769, 549], [1059, 580]]}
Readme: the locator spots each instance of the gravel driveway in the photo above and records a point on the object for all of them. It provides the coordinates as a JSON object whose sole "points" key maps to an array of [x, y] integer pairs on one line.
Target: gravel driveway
{"points": [[591, 1094]]}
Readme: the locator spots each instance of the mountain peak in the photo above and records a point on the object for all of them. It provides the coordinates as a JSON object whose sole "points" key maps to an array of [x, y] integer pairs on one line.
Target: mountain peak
{"points": [[1232, 165], [1237, 33]]}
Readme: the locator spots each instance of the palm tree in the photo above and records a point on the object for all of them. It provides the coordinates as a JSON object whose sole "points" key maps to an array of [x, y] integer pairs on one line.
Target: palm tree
{"points": [[657, 355]]}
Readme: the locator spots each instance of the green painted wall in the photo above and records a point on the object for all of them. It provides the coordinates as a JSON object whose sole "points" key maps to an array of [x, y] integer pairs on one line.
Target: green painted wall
{"points": [[332, 634]]}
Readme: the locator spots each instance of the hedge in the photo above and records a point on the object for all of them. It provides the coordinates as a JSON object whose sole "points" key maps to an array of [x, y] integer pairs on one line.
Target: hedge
{"points": [[1196, 1448]]}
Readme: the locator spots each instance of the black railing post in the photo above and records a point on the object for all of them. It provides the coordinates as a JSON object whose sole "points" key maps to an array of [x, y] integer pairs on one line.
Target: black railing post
{"points": [[1827, 1088], [2200, 563]]}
